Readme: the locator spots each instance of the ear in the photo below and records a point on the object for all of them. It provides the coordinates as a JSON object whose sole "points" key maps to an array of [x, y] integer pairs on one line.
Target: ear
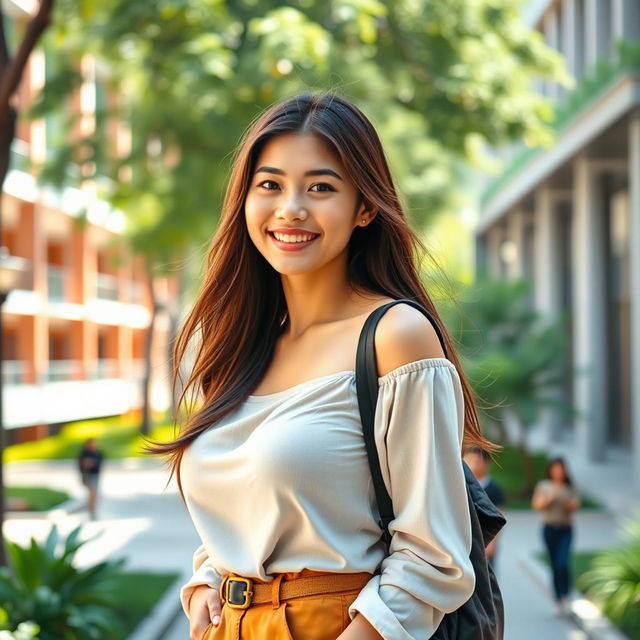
{"points": [[365, 211]]}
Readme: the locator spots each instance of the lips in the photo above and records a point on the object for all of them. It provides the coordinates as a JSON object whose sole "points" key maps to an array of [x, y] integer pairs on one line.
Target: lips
{"points": [[293, 245]]}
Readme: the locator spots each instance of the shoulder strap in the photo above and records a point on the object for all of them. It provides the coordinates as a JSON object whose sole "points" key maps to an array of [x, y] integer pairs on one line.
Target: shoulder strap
{"points": [[367, 392]]}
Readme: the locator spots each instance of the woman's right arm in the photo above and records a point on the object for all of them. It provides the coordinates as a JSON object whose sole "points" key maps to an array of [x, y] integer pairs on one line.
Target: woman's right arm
{"points": [[200, 596], [541, 498]]}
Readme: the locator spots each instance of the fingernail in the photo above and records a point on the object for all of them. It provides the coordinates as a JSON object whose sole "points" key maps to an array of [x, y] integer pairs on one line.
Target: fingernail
{"points": [[216, 619]]}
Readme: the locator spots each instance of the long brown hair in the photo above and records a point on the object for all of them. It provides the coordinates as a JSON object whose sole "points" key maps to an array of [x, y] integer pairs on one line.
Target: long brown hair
{"points": [[240, 309]]}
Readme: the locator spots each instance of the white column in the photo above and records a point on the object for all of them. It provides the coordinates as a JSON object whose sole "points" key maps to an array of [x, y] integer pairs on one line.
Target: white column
{"points": [[552, 38], [481, 257], [634, 286], [589, 309], [597, 31], [625, 19], [571, 36], [515, 236], [494, 242], [548, 278]]}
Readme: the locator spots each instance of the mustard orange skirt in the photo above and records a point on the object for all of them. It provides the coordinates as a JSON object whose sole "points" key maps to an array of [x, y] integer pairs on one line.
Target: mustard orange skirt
{"points": [[321, 616]]}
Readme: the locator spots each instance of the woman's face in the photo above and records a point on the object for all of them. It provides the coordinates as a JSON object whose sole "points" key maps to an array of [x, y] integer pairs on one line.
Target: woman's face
{"points": [[301, 208], [556, 472]]}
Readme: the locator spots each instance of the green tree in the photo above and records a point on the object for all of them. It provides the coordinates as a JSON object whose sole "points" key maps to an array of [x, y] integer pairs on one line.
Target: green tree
{"points": [[440, 78], [514, 359], [12, 64]]}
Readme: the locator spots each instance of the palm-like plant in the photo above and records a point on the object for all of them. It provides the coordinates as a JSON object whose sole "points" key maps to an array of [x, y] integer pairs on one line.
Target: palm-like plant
{"points": [[513, 358], [66, 602], [24, 631], [614, 580]]}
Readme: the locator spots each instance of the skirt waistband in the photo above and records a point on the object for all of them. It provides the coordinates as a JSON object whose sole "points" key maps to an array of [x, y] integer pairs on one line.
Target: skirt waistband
{"points": [[239, 592]]}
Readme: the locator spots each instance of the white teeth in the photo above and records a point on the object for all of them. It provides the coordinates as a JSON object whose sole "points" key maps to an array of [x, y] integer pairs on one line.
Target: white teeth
{"points": [[289, 238]]}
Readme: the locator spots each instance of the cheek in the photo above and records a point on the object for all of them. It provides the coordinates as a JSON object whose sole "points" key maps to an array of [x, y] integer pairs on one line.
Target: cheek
{"points": [[255, 215]]}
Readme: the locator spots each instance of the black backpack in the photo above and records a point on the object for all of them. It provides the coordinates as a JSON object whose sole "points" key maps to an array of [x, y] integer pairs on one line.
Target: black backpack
{"points": [[482, 616]]}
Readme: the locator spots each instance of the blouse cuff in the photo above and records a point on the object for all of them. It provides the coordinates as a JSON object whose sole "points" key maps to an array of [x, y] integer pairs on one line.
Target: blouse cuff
{"points": [[206, 575], [374, 609]]}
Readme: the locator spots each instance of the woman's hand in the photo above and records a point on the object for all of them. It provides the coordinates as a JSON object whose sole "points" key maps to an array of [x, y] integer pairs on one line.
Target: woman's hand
{"points": [[359, 629], [204, 609]]}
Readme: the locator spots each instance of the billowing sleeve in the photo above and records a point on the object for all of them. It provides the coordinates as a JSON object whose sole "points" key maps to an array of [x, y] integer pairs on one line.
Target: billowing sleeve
{"points": [[203, 573], [419, 424]]}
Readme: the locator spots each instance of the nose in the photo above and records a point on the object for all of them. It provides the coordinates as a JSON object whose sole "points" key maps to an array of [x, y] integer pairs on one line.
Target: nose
{"points": [[292, 210]]}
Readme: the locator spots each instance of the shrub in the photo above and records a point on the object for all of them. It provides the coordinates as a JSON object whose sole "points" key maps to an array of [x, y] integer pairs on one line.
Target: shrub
{"points": [[65, 602], [24, 631], [614, 581]]}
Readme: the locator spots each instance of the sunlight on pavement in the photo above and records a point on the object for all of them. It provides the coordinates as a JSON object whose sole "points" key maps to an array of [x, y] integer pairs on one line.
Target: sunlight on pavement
{"points": [[112, 536]]}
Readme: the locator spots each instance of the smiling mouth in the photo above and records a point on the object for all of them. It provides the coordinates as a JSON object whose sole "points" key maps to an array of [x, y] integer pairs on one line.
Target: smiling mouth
{"points": [[294, 238]]}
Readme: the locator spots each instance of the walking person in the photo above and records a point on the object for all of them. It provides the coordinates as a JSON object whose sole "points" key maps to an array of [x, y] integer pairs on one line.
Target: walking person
{"points": [[272, 463], [479, 461], [89, 464], [556, 497]]}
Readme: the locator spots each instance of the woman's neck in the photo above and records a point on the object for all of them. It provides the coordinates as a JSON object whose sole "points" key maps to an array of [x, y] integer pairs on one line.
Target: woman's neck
{"points": [[315, 299]]}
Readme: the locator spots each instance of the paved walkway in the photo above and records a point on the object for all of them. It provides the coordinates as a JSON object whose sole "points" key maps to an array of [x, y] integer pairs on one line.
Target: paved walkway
{"points": [[152, 529]]}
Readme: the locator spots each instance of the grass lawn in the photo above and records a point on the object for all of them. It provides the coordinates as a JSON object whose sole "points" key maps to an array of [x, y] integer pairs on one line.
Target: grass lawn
{"points": [[117, 437], [507, 472], [138, 593], [37, 498]]}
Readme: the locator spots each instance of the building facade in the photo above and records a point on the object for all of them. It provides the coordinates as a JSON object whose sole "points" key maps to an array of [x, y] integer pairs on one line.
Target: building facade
{"points": [[74, 329], [568, 218]]}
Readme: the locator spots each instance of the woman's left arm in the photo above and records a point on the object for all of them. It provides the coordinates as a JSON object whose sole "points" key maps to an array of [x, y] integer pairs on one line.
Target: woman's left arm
{"points": [[360, 629], [572, 503], [419, 428]]}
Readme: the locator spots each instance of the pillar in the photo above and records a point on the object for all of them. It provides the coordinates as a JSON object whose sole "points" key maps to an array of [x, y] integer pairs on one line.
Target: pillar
{"points": [[589, 309], [548, 275], [634, 285], [597, 31], [515, 235]]}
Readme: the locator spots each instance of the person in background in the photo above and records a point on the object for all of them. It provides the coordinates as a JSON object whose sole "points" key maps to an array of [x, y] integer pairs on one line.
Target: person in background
{"points": [[556, 497], [479, 462], [89, 463]]}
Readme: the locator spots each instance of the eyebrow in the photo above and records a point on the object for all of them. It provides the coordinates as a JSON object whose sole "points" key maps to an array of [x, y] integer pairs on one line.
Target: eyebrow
{"points": [[312, 172]]}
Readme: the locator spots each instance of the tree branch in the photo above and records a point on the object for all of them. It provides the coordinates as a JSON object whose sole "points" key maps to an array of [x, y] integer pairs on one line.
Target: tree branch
{"points": [[13, 72]]}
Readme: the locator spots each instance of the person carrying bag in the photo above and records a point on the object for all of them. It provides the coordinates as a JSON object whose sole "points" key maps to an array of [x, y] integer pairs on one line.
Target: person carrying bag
{"points": [[482, 616]]}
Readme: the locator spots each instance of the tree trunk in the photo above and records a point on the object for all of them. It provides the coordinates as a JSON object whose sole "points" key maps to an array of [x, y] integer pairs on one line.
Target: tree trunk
{"points": [[174, 320], [11, 71], [145, 425]]}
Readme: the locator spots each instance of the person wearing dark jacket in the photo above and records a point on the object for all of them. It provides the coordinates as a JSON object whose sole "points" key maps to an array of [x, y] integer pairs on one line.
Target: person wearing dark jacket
{"points": [[89, 463], [479, 462]]}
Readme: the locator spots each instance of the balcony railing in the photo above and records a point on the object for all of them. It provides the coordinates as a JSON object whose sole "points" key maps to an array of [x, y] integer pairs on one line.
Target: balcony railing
{"points": [[136, 292], [19, 158], [60, 370], [107, 286], [104, 369], [56, 279], [14, 371]]}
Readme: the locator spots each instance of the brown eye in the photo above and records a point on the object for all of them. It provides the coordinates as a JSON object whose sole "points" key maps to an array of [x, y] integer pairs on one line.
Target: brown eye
{"points": [[269, 185], [323, 187]]}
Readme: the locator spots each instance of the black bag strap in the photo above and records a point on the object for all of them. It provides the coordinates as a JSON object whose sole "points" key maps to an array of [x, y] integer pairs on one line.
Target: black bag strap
{"points": [[367, 392]]}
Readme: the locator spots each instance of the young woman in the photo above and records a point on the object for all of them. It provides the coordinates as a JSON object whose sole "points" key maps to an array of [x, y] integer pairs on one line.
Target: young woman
{"points": [[272, 463], [557, 499]]}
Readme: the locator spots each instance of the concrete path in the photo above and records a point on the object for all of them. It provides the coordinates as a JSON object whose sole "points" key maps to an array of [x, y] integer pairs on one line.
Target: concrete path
{"points": [[529, 608], [151, 528]]}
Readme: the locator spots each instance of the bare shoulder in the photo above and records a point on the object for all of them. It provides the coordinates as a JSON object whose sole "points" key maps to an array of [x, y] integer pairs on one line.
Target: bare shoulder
{"points": [[404, 335]]}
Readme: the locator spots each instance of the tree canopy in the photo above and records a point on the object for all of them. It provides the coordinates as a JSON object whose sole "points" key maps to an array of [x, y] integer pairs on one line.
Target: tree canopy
{"points": [[439, 79]]}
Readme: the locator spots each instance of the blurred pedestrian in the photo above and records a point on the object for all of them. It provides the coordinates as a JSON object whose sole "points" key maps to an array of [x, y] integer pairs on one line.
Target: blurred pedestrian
{"points": [[556, 497], [89, 463], [479, 461], [272, 465]]}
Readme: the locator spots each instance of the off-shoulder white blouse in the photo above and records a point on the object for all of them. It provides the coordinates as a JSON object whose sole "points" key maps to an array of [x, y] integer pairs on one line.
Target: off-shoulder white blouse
{"points": [[282, 484]]}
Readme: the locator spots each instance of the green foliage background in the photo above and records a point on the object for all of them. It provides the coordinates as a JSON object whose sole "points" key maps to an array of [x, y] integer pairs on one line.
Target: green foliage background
{"points": [[439, 79]]}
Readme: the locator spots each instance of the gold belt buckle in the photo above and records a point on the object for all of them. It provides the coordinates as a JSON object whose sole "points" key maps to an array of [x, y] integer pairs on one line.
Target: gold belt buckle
{"points": [[235, 595]]}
